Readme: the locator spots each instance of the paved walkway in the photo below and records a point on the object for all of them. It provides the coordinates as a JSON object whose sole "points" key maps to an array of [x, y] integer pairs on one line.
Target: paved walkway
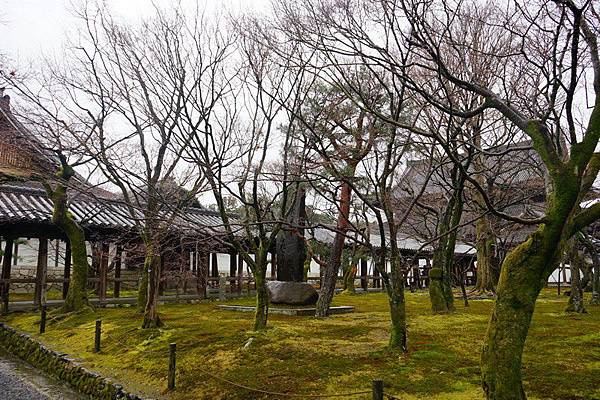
{"points": [[20, 381]]}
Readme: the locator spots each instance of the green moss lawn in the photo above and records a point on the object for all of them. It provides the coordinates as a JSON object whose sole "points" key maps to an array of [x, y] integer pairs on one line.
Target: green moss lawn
{"points": [[343, 353]]}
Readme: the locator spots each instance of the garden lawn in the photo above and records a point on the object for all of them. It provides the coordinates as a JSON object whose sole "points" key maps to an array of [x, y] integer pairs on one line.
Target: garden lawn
{"points": [[340, 354]]}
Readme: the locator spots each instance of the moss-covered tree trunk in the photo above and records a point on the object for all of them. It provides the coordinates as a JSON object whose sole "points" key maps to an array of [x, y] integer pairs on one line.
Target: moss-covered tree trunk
{"points": [[595, 300], [575, 263], [262, 293], [524, 273], [77, 297], [394, 286]]}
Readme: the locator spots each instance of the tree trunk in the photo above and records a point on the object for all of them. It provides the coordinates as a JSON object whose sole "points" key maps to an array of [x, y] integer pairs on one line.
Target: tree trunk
{"points": [[523, 274], [576, 297], [152, 268], [395, 291], [142, 296], [262, 294], [440, 293], [595, 300], [77, 297], [487, 263], [333, 265], [349, 278]]}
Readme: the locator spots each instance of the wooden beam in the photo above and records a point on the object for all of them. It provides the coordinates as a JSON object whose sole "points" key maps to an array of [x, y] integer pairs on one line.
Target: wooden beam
{"points": [[6, 269], [67, 270], [40, 275]]}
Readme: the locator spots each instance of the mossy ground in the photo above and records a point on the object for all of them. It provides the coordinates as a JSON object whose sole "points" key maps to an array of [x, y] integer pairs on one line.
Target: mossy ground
{"points": [[343, 353]]}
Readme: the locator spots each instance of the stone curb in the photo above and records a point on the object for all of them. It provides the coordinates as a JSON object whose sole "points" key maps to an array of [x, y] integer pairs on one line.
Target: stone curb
{"points": [[60, 366]]}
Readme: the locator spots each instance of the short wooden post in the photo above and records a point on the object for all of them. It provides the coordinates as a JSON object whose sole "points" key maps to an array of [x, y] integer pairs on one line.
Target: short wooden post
{"points": [[40, 275], [172, 362], [6, 271], [67, 271], [377, 389], [43, 320], [118, 261], [97, 334]]}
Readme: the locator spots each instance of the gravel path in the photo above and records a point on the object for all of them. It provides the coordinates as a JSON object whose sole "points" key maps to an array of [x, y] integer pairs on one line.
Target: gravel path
{"points": [[20, 381]]}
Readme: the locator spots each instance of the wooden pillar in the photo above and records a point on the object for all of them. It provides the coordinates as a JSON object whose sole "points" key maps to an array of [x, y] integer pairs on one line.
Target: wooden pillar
{"points": [[364, 283], [194, 262], [103, 273], [560, 266], [376, 280], [56, 253], [427, 269], [415, 269], [118, 261], [67, 270], [215, 265], [6, 266], [40, 275], [232, 267], [240, 274], [273, 265], [15, 254]]}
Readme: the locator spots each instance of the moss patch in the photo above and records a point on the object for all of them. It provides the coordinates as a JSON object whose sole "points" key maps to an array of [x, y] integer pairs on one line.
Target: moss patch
{"points": [[339, 354]]}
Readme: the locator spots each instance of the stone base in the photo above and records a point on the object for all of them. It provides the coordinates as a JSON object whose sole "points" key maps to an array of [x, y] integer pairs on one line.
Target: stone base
{"points": [[298, 311], [293, 293]]}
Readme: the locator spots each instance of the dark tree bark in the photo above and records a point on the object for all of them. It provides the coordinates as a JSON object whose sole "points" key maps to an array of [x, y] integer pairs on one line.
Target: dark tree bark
{"points": [[333, 265]]}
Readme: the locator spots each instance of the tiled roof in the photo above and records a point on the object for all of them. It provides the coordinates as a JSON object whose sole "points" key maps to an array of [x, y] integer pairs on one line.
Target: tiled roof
{"points": [[20, 204]]}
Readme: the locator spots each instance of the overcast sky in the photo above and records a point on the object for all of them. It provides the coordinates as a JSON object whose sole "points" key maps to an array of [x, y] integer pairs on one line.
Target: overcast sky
{"points": [[29, 28]]}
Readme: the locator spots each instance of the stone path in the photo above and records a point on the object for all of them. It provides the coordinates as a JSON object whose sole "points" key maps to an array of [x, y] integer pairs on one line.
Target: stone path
{"points": [[20, 381]]}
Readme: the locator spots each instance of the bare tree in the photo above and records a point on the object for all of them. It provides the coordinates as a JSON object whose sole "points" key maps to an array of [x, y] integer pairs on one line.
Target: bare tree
{"points": [[232, 143], [532, 92]]}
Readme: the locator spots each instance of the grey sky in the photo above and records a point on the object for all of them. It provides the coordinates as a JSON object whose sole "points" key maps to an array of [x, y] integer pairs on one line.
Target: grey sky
{"points": [[32, 27]]}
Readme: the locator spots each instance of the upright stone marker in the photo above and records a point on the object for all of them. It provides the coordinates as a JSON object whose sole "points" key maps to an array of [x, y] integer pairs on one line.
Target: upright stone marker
{"points": [[291, 249]]}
